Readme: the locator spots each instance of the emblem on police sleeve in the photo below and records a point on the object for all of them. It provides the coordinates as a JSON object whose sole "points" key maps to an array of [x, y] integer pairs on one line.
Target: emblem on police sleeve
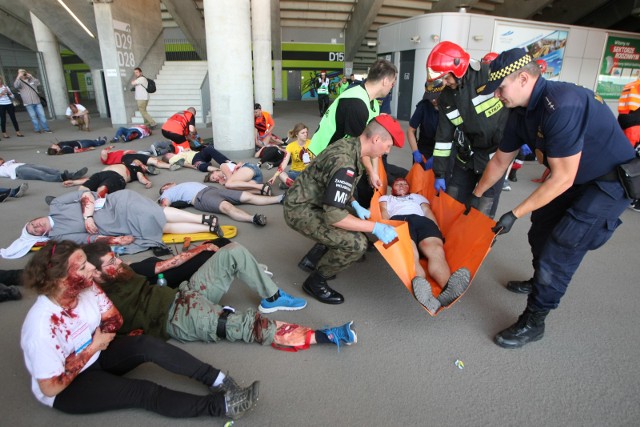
{"points": [[340, 188]]}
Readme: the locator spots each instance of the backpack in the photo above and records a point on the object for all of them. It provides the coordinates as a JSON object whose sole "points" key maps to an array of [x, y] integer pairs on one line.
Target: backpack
{"points": [[151, 86]]}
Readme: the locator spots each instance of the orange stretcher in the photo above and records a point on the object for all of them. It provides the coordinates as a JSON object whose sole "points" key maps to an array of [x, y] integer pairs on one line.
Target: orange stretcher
{"points": [[467, 238]]}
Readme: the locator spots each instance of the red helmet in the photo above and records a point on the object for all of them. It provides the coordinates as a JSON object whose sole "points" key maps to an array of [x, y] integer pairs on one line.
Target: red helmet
{"points": [[489, 57], [542, 64], [445, 58]]}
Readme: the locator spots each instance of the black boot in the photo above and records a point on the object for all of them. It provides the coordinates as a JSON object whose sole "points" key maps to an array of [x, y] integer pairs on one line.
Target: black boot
{"points": [[317, 287], [512, 175], [528, 328], [310, 260], [520, 287]]}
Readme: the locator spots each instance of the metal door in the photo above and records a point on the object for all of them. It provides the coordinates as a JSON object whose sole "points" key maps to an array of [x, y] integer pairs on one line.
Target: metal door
{"points": [[293, 85], [405, 84]]}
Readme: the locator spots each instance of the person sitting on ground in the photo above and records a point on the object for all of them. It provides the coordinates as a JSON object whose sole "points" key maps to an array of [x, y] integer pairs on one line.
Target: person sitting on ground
{"points": [[32, 172], [240, 176], [199, 160], [108, 157], [428, 241], [264, 124], [78, 115], [129, 134], [124, 218], [181, 130], [113, 178], [216, 200], [77, 362], [192, 312], [298, 152], [13, 192], [77, 146], [271, 156]]}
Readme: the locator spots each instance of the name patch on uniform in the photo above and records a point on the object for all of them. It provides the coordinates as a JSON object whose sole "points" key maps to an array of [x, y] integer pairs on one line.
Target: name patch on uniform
{"points": [[340, 188]]}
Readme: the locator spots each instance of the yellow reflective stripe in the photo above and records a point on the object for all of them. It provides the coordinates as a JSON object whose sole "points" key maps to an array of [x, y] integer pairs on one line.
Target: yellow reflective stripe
{"points": [[455, 117], [441, 153], [488, 104]]}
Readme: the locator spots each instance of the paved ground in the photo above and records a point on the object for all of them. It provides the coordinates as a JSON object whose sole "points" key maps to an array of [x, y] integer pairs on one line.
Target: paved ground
{"points": [[402, 371]]}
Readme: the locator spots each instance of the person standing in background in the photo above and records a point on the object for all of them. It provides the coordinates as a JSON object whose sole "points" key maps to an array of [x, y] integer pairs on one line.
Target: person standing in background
{"points": [[27, 86], [140, 85]]}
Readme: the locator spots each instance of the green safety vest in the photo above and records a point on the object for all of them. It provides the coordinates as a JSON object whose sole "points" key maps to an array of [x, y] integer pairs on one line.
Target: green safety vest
{"points": [[327, 126]]}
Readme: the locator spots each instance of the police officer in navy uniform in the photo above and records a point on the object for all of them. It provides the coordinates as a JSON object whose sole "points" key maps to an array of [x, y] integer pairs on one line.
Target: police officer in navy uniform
{"points": [[576, 210]]}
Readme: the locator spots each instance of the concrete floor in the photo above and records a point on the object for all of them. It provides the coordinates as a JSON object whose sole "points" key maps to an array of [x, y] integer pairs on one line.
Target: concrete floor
{"points": [[401, 371]]}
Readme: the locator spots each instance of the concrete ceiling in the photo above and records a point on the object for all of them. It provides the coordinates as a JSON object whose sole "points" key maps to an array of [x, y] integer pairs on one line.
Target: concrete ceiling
{"points": [[359, 20]]}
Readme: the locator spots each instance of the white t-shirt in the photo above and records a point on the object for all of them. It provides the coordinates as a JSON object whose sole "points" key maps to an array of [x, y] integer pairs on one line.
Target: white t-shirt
{"points": [[50, 334], [8, 169], [78, 106], [405, 205], [141, 93]]}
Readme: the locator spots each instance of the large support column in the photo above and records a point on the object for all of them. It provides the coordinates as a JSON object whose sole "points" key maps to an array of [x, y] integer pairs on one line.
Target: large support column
{"points": [[99, 89], [230, 77], [56, 84], [261, 31]]}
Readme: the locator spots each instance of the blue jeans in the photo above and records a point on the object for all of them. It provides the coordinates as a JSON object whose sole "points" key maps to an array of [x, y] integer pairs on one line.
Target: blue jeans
{"points": [[128, 134], [257, 173], [36, 112], [38, 173]]}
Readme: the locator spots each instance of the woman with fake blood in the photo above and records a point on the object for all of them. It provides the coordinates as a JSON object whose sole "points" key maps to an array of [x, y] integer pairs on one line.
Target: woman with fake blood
{"points": [[76, 361]]}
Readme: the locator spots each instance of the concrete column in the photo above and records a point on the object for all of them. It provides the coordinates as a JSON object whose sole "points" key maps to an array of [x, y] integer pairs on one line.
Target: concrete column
{"points": [[348, 68], [56, 83], [277, 79], [98, 87], [115, 82], [261, 32], [230, 77]]}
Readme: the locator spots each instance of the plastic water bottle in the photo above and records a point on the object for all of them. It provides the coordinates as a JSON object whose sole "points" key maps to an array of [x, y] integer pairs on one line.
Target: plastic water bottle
{"points": [[161, 280]]}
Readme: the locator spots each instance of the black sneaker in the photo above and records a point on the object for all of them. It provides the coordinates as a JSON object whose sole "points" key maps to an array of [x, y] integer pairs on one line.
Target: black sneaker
{"points": [[228, 385], [259, 219], [9, 293], [78, 174], [3, 197], [635, 206], [49, 199], [238, 402]]}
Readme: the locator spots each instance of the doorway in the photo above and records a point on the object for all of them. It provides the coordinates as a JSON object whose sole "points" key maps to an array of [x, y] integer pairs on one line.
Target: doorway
{"points": [[405, 84], [293, 85]]}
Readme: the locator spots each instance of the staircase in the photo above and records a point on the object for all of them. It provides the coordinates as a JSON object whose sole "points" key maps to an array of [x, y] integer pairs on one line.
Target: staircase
{"points": [[177, 88]]}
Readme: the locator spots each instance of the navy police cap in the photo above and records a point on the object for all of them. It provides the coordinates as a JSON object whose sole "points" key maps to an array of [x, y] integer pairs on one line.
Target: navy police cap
{"points": [[506, 63]]}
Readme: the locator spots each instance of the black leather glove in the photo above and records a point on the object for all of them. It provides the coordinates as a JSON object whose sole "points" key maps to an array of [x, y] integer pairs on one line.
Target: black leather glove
{"points": [[472, 202], [504, 224]]}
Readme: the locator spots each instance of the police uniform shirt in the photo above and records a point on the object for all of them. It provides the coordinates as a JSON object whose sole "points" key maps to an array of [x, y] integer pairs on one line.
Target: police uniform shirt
{"points": [[563, 119], [425, 118], [329, 181]]}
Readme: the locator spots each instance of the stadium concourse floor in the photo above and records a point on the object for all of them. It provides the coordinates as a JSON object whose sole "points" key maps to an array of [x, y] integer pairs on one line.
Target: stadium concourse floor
{"points": [[402, 371]]}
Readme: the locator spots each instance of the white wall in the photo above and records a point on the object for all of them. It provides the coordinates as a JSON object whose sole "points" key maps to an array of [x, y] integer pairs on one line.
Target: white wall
{"points": [[475, 33]]}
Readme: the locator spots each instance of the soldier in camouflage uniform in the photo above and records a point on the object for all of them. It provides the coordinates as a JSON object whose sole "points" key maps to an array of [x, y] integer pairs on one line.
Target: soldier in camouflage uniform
{"points": [[316, 205]]}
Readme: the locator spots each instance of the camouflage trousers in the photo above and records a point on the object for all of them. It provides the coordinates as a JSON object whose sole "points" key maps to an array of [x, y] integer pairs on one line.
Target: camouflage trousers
{"points": [[345, 247], [194, 314]]}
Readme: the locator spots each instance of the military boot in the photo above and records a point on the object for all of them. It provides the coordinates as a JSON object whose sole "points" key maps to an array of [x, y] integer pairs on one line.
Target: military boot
{"points": [[520, 286], [310, 260], [316, 286], [528, 328]]}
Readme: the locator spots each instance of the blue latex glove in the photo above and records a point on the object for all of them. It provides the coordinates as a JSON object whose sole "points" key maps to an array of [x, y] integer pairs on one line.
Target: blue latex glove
{"points": [[525, 150], [440, 185], [384, 232], [360, 211], [417, 156], [429, 164]]}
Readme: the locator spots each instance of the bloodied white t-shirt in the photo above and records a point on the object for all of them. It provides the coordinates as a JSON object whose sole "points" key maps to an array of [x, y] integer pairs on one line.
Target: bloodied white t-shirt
{"points": [[50, 334]]}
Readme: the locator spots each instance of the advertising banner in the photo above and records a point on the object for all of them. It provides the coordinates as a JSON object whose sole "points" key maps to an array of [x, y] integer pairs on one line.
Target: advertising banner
{"points": [[620, 65], [542, 42]]}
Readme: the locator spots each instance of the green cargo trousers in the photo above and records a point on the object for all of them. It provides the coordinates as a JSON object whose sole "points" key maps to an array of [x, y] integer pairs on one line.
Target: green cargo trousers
{"points": [[194, 314]]}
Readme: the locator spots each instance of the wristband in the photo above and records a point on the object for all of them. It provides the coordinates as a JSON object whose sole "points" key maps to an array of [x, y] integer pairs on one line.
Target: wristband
{"points": [[87, 217]]}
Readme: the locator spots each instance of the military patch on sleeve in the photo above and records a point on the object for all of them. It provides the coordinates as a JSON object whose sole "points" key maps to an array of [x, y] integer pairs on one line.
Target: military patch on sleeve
{"points": [[340, 188]]}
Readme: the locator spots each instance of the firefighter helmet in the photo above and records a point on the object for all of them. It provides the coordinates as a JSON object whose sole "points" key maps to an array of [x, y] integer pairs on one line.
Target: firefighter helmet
{"points": [[489, 57], [445, 58]]}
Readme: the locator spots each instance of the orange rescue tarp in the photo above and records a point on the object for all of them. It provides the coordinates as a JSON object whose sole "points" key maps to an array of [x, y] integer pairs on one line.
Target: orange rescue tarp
{"points": [[467, 238]]}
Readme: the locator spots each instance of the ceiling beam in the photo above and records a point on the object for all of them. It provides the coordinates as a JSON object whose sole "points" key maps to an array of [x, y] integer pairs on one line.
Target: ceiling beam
{"points": [[569, 11]]}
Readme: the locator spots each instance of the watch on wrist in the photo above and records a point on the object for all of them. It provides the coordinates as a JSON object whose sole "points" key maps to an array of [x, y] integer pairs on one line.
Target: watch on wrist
{"points": [[87, 217]]}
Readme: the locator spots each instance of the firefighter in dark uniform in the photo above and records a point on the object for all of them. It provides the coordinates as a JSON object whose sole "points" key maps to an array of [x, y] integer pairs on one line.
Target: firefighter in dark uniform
{"points": [[316, 204], [470, 125], [576, 210]]}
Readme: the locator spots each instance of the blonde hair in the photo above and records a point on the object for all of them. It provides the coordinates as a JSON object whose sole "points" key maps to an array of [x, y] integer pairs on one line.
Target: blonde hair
{"points": [[293, 133]]}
